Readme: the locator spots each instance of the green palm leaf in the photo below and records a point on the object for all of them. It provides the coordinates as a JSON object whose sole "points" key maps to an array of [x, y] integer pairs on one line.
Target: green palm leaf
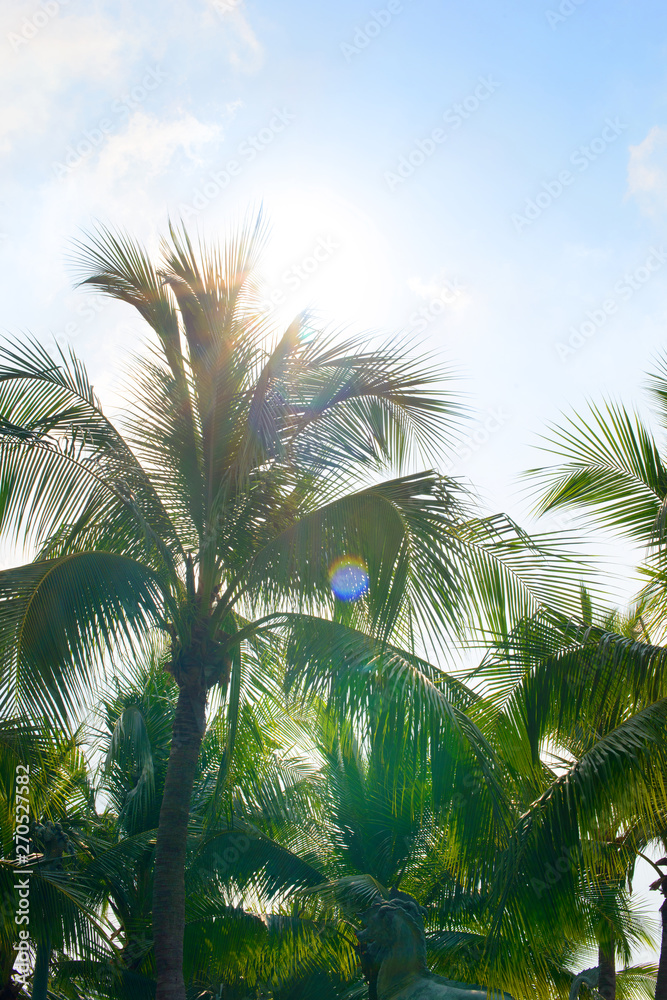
{"points": [[613, 469], [55, 615]]}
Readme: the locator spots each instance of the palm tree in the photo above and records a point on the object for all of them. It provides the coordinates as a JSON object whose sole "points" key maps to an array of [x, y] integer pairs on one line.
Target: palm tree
{"points": [[588, 703], [62, 915], [223, 943], [363, 819], [612, 471], [234, 488], [432, 822]]}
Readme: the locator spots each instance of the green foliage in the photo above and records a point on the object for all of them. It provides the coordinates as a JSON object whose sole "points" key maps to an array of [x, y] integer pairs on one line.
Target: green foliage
{"points": [[198, 529]]}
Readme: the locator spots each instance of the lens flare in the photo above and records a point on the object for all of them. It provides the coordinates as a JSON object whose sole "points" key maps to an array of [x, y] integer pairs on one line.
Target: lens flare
{"points": [[349, 578]]}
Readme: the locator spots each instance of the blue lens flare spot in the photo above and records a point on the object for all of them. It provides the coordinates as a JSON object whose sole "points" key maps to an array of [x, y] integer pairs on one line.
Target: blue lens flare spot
{"points": [[349, 578]]}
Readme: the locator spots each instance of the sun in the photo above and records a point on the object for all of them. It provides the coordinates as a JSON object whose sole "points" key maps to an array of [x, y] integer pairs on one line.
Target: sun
{"points": [[324, 254]]}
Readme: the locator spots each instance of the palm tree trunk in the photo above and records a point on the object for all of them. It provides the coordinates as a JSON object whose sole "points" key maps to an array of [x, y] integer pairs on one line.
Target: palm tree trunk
{"points": [[661, 981], [170, 851], [40, 978], [607, 967]]}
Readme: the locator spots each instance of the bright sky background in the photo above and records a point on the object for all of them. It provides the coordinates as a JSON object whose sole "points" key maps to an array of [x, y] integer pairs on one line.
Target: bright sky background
{"points": [[538, 200]]}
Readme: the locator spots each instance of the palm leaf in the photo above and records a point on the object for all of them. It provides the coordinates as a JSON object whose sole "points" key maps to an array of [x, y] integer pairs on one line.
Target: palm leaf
{"points": [[56, 613], [612, 468]]}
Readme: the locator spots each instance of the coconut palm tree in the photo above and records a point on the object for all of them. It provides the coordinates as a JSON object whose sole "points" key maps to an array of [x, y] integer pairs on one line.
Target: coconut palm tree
{"points": [[229, 505], [432, 823], [611, 471], [587, 702], [348, 816], [61, 915], [223, 942]]}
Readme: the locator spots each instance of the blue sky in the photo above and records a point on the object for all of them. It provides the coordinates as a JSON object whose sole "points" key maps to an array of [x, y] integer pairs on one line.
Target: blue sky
{"points": [[123, 112], [531, 233]]}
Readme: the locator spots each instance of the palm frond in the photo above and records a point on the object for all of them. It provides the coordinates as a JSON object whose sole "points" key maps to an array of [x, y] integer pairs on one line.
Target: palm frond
{"points": [[612, 469], [57, 615], [66, 474]]}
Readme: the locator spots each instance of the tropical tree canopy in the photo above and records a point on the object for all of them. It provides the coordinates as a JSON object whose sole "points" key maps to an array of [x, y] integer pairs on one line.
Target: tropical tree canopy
{"points": [[232, 522]]}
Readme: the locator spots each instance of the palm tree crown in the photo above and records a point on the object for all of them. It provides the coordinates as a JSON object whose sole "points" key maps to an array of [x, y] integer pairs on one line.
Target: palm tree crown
{"points": [[217, 514]]}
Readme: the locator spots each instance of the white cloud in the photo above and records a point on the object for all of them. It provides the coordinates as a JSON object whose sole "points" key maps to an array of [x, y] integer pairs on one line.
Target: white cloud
{"points": [[244, 50], [62, 51], [128, 181], [147, 146], [647, 172], [131, 178]]}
